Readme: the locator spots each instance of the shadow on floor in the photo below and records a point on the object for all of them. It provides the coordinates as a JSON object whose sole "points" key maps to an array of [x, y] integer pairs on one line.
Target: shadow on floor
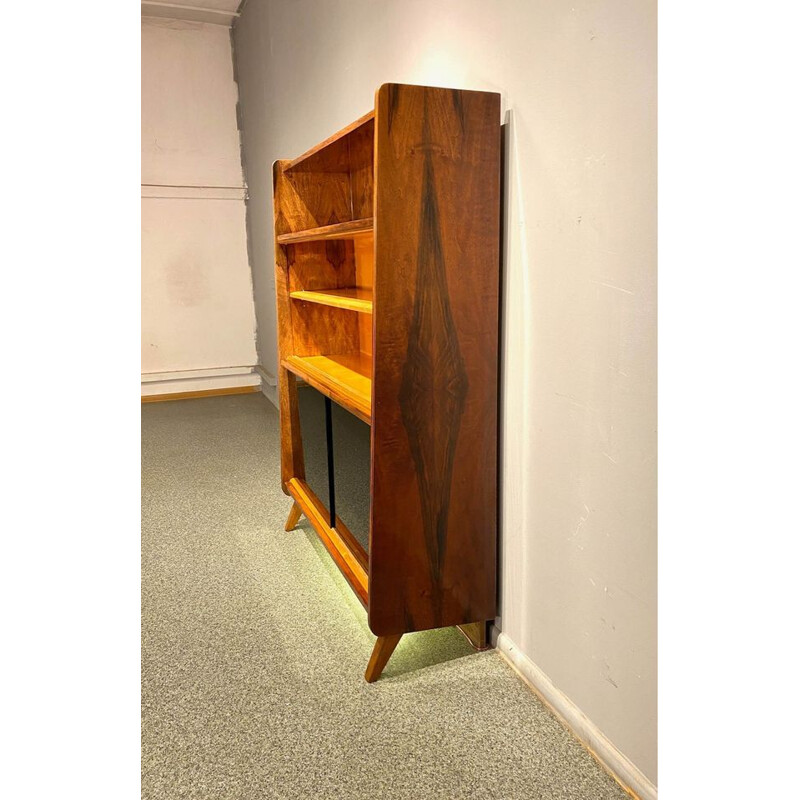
{"points": [[416, 651]]}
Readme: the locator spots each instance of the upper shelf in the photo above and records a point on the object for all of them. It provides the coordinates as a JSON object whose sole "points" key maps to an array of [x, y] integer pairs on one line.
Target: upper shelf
{"points": [[308, 158], [341, 230]]}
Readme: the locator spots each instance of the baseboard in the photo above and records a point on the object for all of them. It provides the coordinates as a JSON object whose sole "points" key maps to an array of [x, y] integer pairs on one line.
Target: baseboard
{"points": [[199, 382], [616, 763], [161, 398], [269, 384]]}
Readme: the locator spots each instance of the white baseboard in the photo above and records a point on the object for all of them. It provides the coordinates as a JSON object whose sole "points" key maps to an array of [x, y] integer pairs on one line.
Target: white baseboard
{"points": [[198, 380], [630, 776], [269, 385]]}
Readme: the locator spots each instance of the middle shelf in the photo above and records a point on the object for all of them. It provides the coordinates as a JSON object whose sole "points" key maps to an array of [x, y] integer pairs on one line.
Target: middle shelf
{"points": [[353, 298], [346, 379], [352, 229]]}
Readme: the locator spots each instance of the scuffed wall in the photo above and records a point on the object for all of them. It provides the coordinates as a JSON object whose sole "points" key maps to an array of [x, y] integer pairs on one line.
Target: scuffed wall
{"points": [[197, 297]]}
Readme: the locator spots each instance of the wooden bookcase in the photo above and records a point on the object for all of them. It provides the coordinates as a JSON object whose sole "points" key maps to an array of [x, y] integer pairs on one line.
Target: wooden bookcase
{"points": [[387, 238]]}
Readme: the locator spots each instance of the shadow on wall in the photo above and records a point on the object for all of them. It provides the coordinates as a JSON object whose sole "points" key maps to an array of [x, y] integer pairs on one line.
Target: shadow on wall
{"points": [[514, 374]]}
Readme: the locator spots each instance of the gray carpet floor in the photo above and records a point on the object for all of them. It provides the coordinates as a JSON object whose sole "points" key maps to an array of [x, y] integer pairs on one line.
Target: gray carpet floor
{"points": [[254, 647]]}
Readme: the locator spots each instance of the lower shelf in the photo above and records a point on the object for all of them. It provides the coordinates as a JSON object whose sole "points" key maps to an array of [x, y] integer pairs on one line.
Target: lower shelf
{"points": [[346, 379], [339, 542]]}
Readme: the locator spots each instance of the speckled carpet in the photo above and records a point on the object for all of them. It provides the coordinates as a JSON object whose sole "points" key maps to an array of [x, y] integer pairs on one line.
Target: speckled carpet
{"points": [[254, 648]]}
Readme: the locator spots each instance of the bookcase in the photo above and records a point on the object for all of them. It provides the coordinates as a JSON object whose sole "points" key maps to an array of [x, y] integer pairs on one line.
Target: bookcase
{"points": [[387, 276]]}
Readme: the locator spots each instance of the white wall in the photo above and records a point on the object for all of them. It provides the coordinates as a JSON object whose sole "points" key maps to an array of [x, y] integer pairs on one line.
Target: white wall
{"points": [[578, 81], [197, 298]]}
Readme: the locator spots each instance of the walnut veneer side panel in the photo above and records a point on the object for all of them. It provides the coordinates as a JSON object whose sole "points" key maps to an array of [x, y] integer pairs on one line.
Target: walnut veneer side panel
{"points": [[434, 404]]}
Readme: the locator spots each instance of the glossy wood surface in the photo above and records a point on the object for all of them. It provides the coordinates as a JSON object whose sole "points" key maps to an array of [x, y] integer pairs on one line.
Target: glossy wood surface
{"points": [[294, 516], [307, 158], [434, 411], [346, 379], [387, 289], [292, 462], [364, 255], [354, 299], [340, 230], [381, 653]]}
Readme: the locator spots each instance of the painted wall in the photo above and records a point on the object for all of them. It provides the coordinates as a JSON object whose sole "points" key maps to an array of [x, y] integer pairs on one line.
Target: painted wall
{"points": [[578, 82], [197, 297]]}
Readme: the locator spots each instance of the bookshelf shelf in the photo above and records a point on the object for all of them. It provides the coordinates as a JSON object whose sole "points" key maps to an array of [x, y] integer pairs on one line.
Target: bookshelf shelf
{"points": [[346, 379], [325, 233], [352, 299]]}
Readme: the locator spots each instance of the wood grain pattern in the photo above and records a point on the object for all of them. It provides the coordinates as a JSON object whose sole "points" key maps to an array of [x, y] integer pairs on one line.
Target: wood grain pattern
{"points": [[381, 653], [322, 330], [364, 253], [398, 214], [434, 430], [346, 379], [305, 201], [321, 265], [292, 461], [362, 169], [316, 159], [341, 230]]}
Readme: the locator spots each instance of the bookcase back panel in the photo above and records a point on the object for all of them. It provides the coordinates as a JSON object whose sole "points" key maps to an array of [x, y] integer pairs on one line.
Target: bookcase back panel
{"points": [[321, 265], [335, 184], [310, 200], [434, 407], [321, 330]]}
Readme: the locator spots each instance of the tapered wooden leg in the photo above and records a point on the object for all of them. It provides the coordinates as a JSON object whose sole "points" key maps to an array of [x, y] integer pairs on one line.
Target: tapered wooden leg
{"points": [[381, 653], [294, 516]]}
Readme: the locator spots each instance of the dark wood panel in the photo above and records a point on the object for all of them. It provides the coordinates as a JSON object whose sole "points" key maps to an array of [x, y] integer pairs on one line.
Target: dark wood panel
{"points": [[434, 410]]}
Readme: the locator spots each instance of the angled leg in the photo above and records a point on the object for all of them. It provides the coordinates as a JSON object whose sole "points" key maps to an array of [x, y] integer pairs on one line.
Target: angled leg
{"points": [[294, 516], [384, 647]]}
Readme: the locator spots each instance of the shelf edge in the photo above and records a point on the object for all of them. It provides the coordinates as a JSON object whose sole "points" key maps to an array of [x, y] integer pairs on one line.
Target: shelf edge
{"points": [[321, 298], [340, 230], [350, 402], [340, 134]]}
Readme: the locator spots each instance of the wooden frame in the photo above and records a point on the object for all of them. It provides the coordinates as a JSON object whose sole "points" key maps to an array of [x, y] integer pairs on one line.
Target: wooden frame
{"points": [[387, 285]]}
